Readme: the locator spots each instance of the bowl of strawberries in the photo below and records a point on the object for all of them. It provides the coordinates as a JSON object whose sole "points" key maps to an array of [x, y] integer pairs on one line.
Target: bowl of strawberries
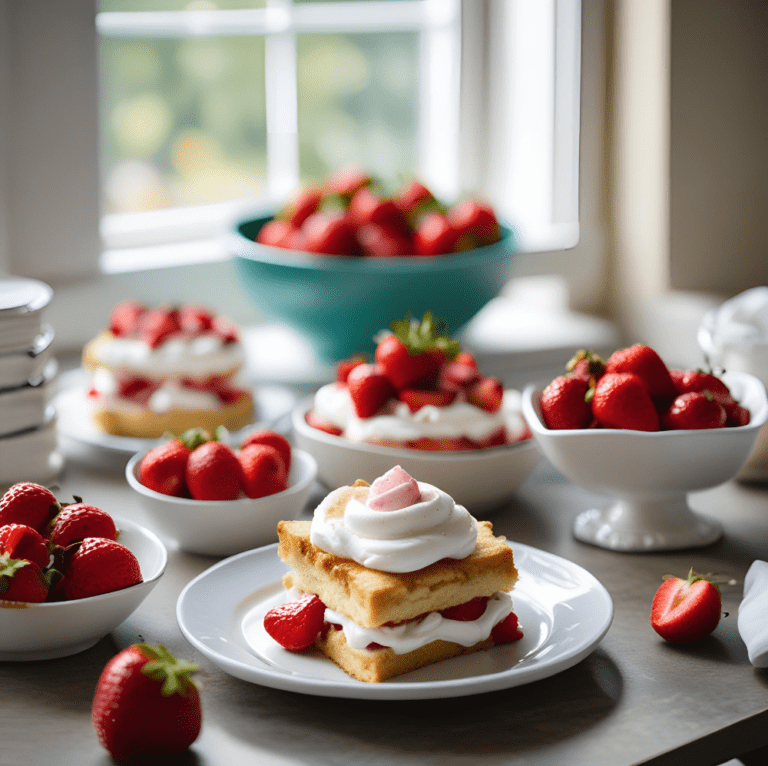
{"points": [[422, 403], [69, 573], [646, 436], [210, 498], [345, 255]]}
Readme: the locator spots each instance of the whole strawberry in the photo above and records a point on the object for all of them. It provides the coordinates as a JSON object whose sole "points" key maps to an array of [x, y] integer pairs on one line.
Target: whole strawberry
{"points": [[214, 472], [30, 504], [686, 610], [621, 400], [564, 403], [22, 542], [21, 580], [644, 362], [164, 468], [271, 439], [296, 624], [146, 702], [263, 470], [369, 388], [587, 365], [80, 520], [95, 566], [687, 381], [694, 410]]}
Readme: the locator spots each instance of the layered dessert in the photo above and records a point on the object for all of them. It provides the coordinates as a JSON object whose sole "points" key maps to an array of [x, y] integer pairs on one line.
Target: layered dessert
{"points": [[393, 576], [166, 369], [421, 392]]}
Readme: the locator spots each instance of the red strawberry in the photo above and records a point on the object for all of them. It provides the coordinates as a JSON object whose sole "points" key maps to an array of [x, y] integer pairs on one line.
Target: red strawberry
{"points": [[475, 220], [498, 438], [379, 241], [346, 366], [468, 611], [21, 580], [95, 566], [416, 200], [30, 504], [322, 425], [415, 352], [77, 521], [145, 702], [564, 403], [302, 206], [195, 319], [347, 181], [416, 398], [124, 319], [696, 409], [507, 631], [279, 442], [435, 236], [686, 381], [366, 207], [156, 325], [138, 389], [164, 468], [296, 624], [214, 472], [274, 233], [22, 542], [486, 393], [737, 415], [330, 235], [586, 365], [644, 362], [369, 389], [458, 373], [263, 470], [621, 400], [226, 330], [464, 357], [686, 610]]}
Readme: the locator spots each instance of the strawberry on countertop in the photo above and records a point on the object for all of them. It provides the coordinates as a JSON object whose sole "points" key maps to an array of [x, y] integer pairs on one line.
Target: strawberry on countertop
{"points": [[145, 701], [686, 610]]}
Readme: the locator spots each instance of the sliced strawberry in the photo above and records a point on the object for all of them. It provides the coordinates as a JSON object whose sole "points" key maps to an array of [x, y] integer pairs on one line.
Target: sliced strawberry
{"points": [[468, 611], [346, 366], [156, 325], [416, 398], [296, 624], [507, 631], [369, 389], [124, 320], [486, 393], [22, 542], [686, 610], [136, 389], [498, 438], [322, 425]]}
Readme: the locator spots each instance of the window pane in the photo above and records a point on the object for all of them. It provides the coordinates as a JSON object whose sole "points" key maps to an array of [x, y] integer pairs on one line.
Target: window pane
{"points": [[357, 103], [183, 121]]}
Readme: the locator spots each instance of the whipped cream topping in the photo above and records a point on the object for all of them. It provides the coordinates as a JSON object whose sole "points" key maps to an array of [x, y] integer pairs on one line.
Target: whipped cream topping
{"points": [[398, 424], [195, 358], [398, 539], [408, 636]]}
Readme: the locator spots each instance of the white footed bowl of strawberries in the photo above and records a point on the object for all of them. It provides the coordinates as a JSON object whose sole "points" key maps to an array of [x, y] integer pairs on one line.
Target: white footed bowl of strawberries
{"points": [[70, 573], [210, 498], [646, 436]]}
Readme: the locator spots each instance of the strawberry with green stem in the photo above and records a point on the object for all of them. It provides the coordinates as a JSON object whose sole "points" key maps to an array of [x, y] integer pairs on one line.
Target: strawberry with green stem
{"points": [[686, 610]]}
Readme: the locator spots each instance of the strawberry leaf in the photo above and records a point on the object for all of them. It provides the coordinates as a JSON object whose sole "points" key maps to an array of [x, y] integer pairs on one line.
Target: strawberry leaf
{"points": [[163, 666], [421, 337]]}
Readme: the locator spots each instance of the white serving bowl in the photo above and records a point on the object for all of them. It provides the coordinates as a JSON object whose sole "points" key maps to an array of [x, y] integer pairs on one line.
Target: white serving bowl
{"points": [[225, 527], [650, 473], [58, 629], [480, 480]]}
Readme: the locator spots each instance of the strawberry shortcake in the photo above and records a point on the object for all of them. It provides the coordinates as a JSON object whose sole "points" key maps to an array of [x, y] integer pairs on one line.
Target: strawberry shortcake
{"points": [[422, 392], [156, 370], [393, 576]]}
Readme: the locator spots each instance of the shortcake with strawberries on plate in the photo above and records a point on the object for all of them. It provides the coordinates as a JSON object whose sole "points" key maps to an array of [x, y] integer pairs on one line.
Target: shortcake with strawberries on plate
{"points": [[166, 369], [421, 392]]}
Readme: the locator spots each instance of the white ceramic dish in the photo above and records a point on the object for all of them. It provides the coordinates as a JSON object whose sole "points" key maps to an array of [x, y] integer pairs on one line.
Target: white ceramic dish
{"points": [[22, 302], [18, 366], [270, 403], [31, 455], [24, 407], [224, 527], [58, 629], [481, 480], [563, 610], [650, 474]]}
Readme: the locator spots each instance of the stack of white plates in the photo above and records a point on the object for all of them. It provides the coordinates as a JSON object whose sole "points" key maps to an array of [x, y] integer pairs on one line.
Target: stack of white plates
{"points": [[28, 449]]}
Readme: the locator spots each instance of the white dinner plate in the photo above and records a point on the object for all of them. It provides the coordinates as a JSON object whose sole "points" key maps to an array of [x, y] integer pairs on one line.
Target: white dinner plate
{"points": [[563, 610], [271, 402]]}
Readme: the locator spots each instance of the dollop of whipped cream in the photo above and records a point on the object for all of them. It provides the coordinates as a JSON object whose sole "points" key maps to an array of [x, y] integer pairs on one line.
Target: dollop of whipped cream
{"points": [[403, 526]]}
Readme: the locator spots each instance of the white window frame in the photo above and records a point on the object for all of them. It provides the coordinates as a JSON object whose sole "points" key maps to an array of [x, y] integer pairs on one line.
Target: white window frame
{"points": [[68, 251]]}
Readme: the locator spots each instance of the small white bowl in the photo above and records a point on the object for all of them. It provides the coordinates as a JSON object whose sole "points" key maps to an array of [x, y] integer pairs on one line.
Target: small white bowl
{"points": [[61, 628], [225, 527], [481, 480], [650, 473]]}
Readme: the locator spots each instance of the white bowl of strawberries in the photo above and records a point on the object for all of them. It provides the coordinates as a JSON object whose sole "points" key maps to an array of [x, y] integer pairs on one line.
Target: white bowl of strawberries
{"points": [[646, 436], [69, 573], [209, 498], [421, 403]]}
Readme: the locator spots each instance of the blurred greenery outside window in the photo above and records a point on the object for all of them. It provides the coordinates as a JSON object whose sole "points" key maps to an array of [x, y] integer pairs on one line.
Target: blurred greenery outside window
{"points": [[204, 103]]}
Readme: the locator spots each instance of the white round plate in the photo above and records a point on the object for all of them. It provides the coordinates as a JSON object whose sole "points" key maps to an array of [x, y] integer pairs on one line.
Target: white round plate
{"points": [[563, 610], [270, 402]]}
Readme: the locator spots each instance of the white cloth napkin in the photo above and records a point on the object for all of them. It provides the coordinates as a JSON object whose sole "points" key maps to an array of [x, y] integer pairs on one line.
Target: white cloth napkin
{"points": [[753, 614]]}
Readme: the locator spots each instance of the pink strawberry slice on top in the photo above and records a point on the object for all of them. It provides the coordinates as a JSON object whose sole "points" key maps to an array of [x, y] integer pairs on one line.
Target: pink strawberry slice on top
{"points": [[395, 490]]}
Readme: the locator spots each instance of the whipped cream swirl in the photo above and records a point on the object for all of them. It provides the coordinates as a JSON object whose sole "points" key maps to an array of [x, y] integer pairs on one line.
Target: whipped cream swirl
{"points": [[393, 537]]}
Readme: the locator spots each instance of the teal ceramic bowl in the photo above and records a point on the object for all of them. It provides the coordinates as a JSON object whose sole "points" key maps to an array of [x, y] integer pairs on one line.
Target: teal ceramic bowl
{"points": [[338, 303]]}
